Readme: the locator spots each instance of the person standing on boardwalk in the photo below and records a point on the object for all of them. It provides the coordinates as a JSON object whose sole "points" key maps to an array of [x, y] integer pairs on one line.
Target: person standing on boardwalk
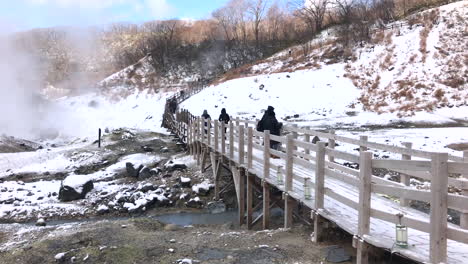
{"points": [[224, 117], [269, 122], [206, 118]]}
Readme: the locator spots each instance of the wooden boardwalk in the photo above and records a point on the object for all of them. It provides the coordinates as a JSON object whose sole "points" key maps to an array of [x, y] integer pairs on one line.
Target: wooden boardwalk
{"points": [[362, 204]]}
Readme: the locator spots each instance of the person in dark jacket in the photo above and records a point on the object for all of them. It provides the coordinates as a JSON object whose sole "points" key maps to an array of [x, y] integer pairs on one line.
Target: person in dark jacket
{"points": [[269, 122], [206, 116], [224, 117]]}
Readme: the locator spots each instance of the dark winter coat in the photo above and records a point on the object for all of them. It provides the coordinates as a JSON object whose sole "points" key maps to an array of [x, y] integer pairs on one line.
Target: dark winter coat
{"points": [[224, 117], [269, 122]]}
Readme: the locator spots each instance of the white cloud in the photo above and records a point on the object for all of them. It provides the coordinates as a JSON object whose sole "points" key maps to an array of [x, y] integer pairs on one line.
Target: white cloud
{"points": [[92, 4], [159, 8]]}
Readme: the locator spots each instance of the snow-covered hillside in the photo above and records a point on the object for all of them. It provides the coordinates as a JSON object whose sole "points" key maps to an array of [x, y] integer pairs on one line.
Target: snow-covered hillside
{"points": [[322, 90]]}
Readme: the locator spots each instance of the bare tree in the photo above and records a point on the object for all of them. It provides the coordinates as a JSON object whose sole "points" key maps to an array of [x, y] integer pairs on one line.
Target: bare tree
{"points": [[312, 12], [257, 11]]}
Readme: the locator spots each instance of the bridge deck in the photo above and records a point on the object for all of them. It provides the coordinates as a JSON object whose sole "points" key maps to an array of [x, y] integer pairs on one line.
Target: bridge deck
{"points": [[382, 233]]}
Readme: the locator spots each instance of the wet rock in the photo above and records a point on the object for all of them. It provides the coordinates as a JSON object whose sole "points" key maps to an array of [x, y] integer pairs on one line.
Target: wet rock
{"points": [[78, 191], [145, 173], [41, 222], [185, 182], [148, 187], [131, 171], [173, 166], [216, 207], [147, 148], [102, 209], [194, 203]]}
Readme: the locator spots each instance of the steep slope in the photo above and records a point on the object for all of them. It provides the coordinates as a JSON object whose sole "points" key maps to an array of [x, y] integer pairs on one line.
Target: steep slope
{"points": [[414, 71]]}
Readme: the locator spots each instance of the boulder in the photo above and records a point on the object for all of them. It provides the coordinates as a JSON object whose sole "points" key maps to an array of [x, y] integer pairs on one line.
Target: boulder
{"points": [[145, 173], [173, 166], [216, 207], [185, 182], [194, 203], [102, 209], [203, 188], [75, 187], [132, 171], [41, 222]]}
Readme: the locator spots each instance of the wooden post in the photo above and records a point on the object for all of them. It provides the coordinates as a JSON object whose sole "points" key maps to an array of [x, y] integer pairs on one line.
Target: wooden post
{"points": [[202, 128], [266, 205], [223, 138], [250, 182], [189, 139], [266, 154], [241, 145], [331, 144], [231, 141], [320, 176], [464, 215], [307, 139], [208, 133], [363, 140], [216, 136], [438, 215], [289, 204], [405, 179], [294, 134], [249, 147], [365, 174], [237, 121], [99, 138], [241, 202], [215, 174], [288, 183]]}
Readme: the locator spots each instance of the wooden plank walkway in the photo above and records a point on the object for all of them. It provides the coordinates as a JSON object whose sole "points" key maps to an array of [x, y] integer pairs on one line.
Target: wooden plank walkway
{"points": [[353, 199]]}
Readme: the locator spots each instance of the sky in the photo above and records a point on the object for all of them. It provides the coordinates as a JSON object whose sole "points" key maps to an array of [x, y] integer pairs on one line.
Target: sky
{"points": [[26, 14]]}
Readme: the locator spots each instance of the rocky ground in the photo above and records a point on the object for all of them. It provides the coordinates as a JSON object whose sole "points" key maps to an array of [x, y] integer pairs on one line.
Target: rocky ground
{"points": [[138, 199]]}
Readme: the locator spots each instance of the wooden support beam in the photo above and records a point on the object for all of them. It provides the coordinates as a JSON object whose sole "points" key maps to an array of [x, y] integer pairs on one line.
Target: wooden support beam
{"points": [[215, 174], [249, 147], [204, 157], [216, 135], [404, 178], [318, 226], [288, 183], [231, 141], [223, 138], [250, 179], [241, 151], [241, 202], [331, 144], [365, 177], [438, 214], [307, 139], [266, 205], [363, 249], [266, 154], [363, 140], [294, 134], [464, 215], [320, 176], [289, 204]]}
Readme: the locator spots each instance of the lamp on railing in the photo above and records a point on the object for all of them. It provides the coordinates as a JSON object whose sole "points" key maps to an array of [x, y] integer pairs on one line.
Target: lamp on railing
{"points": [[279, 176], [307, 191], [401, 233]]}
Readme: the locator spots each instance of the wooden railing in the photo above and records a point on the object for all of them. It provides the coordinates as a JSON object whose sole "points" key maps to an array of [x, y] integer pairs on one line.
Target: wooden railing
{"points": [[302, 163]]}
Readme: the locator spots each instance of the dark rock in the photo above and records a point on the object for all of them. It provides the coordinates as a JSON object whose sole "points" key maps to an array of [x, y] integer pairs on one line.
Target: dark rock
{"points": [[41, 222], [148, 187], [147, 148], [67, 193], [261, 87], [194, 203], [40, 198], [287, 76], [185, 182], [145, 173], [54, 194], [296, 115], [30, 194], [8, 201], [216, 207], [131, 171]]}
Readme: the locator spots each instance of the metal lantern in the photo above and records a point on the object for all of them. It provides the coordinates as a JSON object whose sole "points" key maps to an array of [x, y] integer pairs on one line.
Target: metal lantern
{"points": [[307, 191], [401, 233], [279, 175]]}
